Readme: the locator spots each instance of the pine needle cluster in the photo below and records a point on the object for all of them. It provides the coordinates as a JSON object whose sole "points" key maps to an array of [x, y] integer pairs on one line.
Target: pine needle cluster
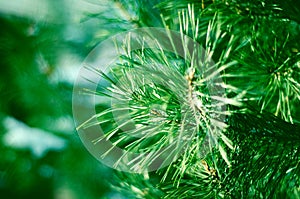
{"points": [[224, 120]]}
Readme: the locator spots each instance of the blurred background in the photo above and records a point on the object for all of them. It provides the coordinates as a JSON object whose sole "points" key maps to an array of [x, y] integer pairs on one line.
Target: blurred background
{"points": [[42, 46]]}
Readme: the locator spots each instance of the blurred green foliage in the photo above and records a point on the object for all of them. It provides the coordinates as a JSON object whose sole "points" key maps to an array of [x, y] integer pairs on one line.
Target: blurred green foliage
{"points": [[39, 58]]}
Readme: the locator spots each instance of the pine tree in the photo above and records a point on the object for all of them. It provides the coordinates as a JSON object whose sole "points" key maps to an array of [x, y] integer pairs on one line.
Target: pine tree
{"points": [[224, 118]]}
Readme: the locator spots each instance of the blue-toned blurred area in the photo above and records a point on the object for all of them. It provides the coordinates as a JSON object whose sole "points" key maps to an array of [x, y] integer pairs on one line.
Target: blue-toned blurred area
{"points": [[42, 46]]}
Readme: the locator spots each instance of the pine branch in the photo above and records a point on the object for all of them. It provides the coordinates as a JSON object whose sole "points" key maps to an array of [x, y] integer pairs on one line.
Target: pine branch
{"points": [[165, 108]]}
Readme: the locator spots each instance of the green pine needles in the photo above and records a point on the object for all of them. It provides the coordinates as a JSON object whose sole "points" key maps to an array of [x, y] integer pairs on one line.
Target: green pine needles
{"points": [[221, 121]]}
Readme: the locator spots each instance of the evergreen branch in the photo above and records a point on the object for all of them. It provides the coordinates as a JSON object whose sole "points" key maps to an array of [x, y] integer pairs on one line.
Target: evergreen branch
{"points": [[188, 109], [248, 154]]}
